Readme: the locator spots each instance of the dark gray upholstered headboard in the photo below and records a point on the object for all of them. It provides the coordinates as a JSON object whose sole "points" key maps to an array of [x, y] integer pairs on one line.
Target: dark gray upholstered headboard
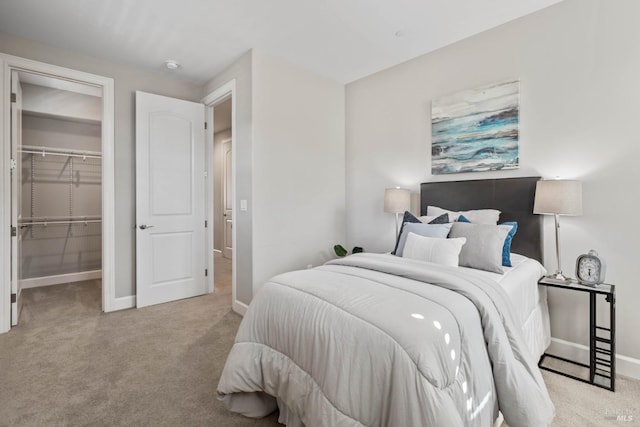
{"points": [[512, 196]]}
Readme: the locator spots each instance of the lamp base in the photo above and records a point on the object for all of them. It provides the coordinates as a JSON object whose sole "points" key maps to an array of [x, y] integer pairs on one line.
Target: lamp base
{"points": [[558, 277]]}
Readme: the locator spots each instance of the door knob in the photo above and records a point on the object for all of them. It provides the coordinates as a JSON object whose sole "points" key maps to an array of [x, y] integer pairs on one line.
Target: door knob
{"points": [[144, 226]]}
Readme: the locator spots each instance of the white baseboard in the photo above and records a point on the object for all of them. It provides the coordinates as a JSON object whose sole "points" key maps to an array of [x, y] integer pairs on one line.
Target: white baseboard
{"points": [[240, 307], [625, 365], [37, 282], [124, 303]]}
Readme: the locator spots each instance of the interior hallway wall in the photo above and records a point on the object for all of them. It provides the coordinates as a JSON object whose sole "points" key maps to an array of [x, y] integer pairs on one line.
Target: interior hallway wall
{"points": [[218, 167], [290, 150], [298, 167]]}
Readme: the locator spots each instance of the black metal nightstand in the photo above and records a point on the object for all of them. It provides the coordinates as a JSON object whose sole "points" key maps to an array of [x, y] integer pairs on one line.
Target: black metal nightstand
{"points": [[602, 341]]}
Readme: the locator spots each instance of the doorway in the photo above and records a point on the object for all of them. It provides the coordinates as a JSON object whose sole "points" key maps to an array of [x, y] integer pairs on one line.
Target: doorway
{"points": [[67, 220], [56, 188], [221, 202], [222, 196], [223, 168]]}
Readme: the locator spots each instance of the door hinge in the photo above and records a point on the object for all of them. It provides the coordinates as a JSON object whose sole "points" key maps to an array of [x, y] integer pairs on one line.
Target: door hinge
{"points": [[14, 231], [14, 97], [205, 125], [206, 223], [14, 298], [206, 272], [13, 164]]}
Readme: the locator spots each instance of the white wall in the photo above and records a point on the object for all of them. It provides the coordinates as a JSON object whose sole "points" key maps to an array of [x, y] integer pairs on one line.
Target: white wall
{"points": [[289, 140], [298, 167], [127, 80], [578, 66]]}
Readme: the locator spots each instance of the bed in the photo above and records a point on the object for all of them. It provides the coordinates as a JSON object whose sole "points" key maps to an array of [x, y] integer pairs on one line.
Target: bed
{"points": [[381, 340]]}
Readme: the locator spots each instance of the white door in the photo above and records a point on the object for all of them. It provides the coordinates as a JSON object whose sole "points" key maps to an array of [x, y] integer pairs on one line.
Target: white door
{"points": [[170, 165], [16, 160], [227, 201]]}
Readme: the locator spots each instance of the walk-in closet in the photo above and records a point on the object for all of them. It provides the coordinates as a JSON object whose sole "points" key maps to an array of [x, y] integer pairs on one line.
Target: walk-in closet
{"points": [[59, 191]]}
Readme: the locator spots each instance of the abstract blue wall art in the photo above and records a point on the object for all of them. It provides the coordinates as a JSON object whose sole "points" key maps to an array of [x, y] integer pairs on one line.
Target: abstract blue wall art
{"points": [[476, 130]]}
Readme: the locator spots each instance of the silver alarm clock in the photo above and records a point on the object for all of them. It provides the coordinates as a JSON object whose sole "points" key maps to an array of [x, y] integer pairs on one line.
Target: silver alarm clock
{"points": [[590, 268]]}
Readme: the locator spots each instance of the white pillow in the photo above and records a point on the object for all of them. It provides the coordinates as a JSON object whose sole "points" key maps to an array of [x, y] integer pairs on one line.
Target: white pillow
{"points": [[433, 249], [478, 216], [483, 250], [428, 230]]}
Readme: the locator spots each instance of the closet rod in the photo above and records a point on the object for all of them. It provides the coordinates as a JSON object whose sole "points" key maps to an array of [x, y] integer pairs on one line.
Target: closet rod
{"points": [[44, 151], [47, 223], [58, 218]]}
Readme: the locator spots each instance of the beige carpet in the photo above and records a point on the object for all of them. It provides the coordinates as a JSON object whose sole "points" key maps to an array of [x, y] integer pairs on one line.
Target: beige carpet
{"points": [[68, 364]]}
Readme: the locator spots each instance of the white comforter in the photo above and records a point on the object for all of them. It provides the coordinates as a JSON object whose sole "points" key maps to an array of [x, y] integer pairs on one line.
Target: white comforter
{"points": [[379, 340]]}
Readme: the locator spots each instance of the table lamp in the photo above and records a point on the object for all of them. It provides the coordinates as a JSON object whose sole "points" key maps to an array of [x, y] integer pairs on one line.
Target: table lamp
{"points": [[397, 200], [558, 197]]}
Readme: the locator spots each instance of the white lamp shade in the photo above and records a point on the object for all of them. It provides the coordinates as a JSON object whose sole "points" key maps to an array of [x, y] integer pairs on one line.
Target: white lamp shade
{"points": [[397, 200], [559, 197]]}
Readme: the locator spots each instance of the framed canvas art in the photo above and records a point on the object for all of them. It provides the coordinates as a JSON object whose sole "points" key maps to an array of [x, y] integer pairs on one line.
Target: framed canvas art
{"points": [[476, 130]]}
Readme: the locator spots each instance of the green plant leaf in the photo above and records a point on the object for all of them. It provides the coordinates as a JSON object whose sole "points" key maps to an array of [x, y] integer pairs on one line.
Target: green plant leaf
{"points": [[339, 250], [357, 250]]}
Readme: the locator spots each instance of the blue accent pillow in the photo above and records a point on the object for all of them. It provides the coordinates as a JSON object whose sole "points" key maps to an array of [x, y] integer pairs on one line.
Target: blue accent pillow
{"points": [[407, 218], [506, 249], [442, 219], [410, 218]]}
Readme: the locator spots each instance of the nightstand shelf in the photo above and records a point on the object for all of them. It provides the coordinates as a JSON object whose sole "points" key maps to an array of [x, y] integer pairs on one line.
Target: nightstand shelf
{"points": [[602, 340]]}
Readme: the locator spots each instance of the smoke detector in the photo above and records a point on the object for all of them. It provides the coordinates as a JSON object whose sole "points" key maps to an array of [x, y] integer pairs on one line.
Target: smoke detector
{"points": [[170, 64]]}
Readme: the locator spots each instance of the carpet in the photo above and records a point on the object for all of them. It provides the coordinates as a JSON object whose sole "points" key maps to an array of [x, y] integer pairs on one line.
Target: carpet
{"points": [[68, 364]]}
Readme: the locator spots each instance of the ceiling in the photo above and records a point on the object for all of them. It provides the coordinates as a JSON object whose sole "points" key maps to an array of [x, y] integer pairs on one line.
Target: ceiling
{"points": [[343, 40]]}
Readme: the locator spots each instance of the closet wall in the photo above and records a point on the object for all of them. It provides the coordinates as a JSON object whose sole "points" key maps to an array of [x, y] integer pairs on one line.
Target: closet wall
{"points": [[61, 206]]}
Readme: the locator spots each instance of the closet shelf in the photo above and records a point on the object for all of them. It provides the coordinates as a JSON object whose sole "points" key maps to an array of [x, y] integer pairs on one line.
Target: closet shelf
{"points": [[51, 151]]}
